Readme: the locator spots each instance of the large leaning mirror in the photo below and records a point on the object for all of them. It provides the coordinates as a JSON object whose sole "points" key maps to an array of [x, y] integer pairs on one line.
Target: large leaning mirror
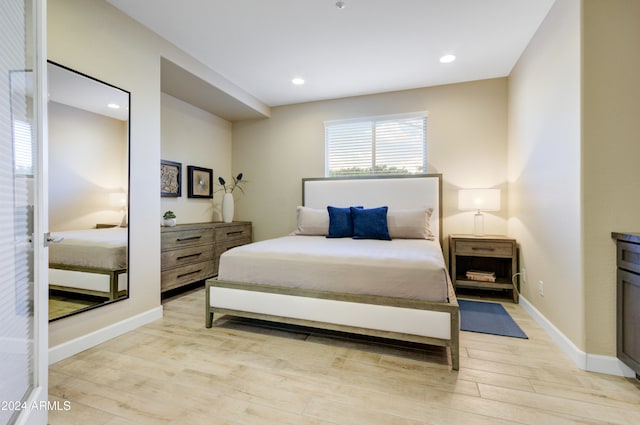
{"points": [[88, 124]]}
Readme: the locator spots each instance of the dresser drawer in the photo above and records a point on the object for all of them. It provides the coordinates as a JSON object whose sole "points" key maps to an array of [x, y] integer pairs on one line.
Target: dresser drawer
{"points": [[629, 256], [233, 231], [182, 256], [187, 237], [223, 247], [180, 276], [485, 248]]}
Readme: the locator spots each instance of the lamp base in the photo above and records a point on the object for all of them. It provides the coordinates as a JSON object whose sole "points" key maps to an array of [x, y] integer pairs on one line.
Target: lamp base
{"points": [[478, 224]]}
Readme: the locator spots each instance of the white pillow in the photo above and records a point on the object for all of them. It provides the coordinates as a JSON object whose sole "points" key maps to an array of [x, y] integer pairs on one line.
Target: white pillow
{"points": [[410, 224], [312, 221]]}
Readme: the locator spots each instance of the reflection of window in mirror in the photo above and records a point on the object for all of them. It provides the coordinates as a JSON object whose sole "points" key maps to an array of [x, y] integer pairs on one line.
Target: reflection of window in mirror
{"points": [[88, 192], [23, 147], [21, 115]]}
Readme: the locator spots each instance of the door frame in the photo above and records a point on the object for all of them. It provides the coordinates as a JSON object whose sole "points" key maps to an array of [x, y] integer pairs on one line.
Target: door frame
{"points": [[37, 403]]}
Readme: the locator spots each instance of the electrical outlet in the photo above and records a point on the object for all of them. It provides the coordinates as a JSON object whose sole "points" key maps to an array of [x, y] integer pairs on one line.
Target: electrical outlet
{"points": [[541, 288], [524, 275]]}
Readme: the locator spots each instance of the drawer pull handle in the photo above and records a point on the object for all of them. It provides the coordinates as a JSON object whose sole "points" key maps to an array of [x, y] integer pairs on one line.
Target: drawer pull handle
{"points": [[189, 256], [187, 274], [237, 232], [190, 238], [477, 248]]}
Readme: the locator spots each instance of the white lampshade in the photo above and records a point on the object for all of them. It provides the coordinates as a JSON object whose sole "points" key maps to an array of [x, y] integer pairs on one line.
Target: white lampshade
{"points": [[479, 199], [118, 199]]}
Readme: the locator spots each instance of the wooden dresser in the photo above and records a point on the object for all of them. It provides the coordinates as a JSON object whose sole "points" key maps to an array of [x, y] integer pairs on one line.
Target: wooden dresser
{"points": [[191, 252]]}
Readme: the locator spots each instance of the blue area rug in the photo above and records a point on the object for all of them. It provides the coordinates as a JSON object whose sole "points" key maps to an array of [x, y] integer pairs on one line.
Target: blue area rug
{"points": [[488, 318]]}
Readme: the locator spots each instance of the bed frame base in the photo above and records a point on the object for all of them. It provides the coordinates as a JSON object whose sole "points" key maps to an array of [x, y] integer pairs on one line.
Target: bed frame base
{"points": [[450, 309], [110, 283]]}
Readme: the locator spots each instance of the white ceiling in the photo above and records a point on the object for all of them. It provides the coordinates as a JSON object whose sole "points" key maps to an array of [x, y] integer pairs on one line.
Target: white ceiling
{"points": [[83, 92], [369, 46]]}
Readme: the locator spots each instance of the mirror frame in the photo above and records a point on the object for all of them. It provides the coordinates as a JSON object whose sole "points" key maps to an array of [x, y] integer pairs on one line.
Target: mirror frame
{"points": [[128, 195]]}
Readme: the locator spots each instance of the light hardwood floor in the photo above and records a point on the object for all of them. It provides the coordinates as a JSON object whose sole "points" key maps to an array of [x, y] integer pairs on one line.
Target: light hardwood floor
{"points": [[174, 371], [62, 305]]}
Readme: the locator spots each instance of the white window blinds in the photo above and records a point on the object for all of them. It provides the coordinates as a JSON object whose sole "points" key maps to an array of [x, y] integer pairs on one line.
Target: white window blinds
{"points": [[23, 147], [395, 144], [17, 286]]}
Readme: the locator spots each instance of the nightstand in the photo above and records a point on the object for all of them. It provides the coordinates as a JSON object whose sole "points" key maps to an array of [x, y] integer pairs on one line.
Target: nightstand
{"points": [[484, 262]]}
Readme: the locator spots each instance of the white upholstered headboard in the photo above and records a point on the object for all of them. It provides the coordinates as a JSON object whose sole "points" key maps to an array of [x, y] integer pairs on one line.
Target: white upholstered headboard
{"points": [[396, 192]]}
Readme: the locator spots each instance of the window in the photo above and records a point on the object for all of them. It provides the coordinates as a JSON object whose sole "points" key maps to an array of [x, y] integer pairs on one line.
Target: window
{"points": [[393, 144], [23, 148]]}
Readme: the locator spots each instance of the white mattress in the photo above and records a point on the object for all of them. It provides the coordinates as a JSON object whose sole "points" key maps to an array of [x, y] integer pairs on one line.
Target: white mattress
{"points": [[404, 268], [100, 248]]}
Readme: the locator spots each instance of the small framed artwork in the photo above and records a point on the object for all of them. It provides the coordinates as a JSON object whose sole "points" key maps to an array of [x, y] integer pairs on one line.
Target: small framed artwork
{"points": [[170, 179], [200, 182]]}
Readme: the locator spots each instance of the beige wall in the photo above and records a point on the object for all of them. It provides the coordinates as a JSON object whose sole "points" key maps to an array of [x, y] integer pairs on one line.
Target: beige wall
{"points": [[573, 147], [466, 132], [208, 139], [92, 37], [611, 149], [544, 169], [86, 165]]}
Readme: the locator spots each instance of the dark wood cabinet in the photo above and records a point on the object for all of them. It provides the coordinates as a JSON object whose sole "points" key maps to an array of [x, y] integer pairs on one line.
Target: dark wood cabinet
{"points": [[628, 299]]}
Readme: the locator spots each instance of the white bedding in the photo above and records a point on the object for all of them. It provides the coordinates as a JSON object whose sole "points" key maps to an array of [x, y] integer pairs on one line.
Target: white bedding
{"points": [[99, 248], [405, 268]]}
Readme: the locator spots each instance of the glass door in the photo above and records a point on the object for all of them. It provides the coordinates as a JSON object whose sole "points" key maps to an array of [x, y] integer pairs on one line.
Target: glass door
{"points": [[23, 332]]}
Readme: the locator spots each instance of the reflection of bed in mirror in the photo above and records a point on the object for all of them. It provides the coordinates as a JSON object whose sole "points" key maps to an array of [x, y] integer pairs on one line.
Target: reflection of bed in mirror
{"points": [[91, 262], [88, 169]]}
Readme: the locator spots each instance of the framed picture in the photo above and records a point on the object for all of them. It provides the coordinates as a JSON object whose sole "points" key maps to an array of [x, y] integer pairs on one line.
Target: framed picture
{"points": [[170, 179], [200, 182]]}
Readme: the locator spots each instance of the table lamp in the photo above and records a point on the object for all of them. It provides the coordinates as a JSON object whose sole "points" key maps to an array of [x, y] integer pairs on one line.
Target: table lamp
{"points": [[479, 200], [118, 200]]}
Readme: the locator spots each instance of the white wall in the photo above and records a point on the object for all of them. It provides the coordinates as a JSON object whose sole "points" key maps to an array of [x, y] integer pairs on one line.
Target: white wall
{"points": [[192, 136], [86, 165], [466, 138], [545, 169]]}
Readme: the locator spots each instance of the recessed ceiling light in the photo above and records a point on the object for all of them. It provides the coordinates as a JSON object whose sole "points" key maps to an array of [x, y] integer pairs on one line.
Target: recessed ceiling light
{"points": [[447, 58], [298, 81], [113, 106]]}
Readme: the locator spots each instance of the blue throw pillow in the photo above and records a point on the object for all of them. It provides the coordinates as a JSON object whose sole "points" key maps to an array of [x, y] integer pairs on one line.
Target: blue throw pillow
{"points": [[370, 223], [340, 222]]}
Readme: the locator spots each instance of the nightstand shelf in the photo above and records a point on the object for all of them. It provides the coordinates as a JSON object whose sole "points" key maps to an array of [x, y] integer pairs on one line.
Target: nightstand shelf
{"points": [[496, 255]]}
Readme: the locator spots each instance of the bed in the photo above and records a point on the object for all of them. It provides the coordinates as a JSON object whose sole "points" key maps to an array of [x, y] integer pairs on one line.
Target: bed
{"points": [[398, 288], [90, 262]]}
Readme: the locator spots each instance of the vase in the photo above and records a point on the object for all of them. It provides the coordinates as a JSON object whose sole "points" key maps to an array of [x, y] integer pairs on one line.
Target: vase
{"points": [[227, 208], [169, 222]]}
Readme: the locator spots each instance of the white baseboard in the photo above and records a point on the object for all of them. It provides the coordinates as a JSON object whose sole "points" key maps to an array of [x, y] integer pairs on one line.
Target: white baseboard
{"points": [[77, 345], [585, 361], [609, 365]]}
